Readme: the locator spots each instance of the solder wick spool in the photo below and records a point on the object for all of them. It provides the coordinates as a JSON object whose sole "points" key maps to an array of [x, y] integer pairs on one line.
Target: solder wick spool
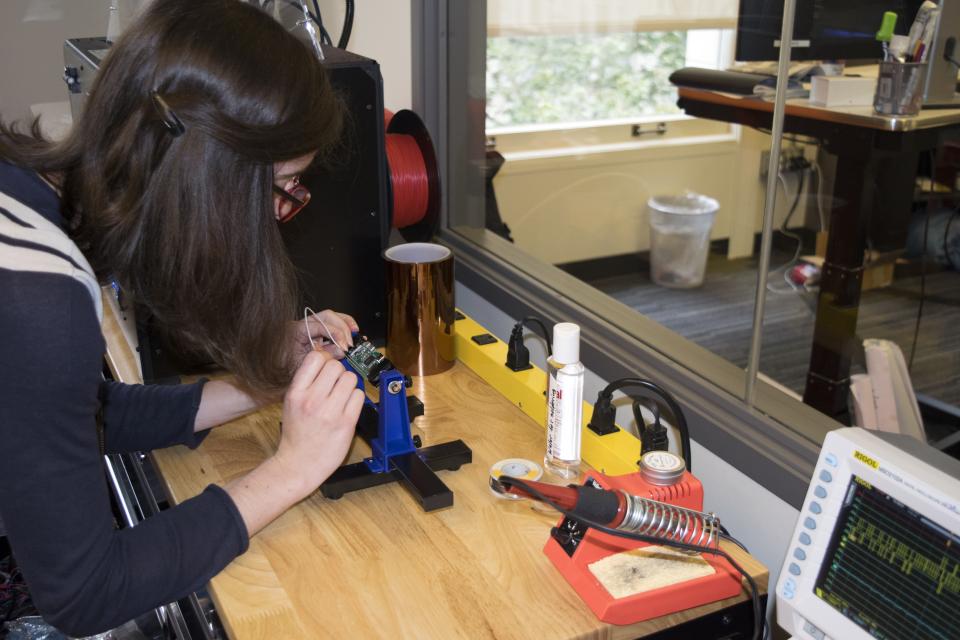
{"points": [[414, 178], [515, 468]]}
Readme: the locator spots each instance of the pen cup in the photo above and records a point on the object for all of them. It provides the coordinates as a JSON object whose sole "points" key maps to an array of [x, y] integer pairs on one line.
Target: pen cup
{"points": [[899, 88]]}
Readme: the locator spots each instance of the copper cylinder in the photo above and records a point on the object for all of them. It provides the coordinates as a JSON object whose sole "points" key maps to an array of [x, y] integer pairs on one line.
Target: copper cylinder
{"points": [[420, 308]]}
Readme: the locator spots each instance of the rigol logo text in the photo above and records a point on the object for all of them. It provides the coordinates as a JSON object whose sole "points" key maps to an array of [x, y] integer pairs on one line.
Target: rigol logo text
{"points": [[865, 459]]}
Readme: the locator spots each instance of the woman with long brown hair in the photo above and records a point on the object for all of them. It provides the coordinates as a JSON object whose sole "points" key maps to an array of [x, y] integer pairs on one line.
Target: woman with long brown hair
{"points": [[172, 184]]}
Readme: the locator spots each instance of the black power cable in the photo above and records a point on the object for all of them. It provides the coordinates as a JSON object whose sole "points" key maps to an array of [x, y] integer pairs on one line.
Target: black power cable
{"points": [[652, 437], [518, 356], [604, 413], [324, 35], [347, 30], [793, 236], [758, 618], [547, 336], [923, 261], [923, 291], [347, 26]]}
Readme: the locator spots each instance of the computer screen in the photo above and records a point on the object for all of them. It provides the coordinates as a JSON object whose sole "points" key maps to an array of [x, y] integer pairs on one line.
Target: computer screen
{"points": [[875, 552], [891, 570], [823, 29]]}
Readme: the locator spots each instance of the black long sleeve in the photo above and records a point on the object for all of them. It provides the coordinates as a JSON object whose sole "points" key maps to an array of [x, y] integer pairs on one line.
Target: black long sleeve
{"points": [[84, 575], [141, 418]]}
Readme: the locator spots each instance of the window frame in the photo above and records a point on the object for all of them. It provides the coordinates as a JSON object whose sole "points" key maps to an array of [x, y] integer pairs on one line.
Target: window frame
{"points": [[775, 441]]}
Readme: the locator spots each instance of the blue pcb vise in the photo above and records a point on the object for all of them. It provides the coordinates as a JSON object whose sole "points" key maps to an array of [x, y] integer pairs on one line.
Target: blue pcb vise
{"points": [[396, 455]]}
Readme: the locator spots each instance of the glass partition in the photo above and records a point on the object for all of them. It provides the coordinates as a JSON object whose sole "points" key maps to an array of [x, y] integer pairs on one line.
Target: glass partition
{"points": [[889, 332], [593, 166], [584, 125], [584, 129]]}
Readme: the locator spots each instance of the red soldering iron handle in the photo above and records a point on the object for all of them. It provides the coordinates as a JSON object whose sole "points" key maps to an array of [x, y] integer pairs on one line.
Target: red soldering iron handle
{"points": [[589, 502], [565, 497]]}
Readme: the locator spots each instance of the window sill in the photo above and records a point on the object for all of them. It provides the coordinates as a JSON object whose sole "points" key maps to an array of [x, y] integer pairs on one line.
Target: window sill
{"points": [[617, 153], [566, 127]]}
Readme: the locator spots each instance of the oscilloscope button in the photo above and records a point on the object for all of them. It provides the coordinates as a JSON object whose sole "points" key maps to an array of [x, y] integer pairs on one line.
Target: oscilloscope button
{"points": [[789, 584], [805, 538], [815, 507], [826, 476], [794, 568], [810, 523], [830, 459], [820, 492], [799, 554]]}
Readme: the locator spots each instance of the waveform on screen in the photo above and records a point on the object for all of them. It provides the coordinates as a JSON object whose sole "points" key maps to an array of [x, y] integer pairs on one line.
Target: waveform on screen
{"points": [[890, 570]]}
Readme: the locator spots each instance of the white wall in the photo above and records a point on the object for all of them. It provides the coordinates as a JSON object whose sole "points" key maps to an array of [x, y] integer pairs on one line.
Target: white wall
{"points": [[755, 516], [32, 34], [568, 207], [31, 47], [381, 30], [590, 206]]}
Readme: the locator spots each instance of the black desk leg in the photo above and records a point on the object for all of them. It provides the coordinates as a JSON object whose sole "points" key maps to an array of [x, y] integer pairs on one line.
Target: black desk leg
{"points": [[867, 188]]}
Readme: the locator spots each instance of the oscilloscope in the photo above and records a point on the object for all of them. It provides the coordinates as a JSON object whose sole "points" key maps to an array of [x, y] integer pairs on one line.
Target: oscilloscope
{"points": [[876, 549]]}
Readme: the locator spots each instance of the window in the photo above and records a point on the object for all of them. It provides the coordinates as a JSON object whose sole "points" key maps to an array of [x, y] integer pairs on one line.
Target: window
{"points": [[577, 78], [558, 63]]}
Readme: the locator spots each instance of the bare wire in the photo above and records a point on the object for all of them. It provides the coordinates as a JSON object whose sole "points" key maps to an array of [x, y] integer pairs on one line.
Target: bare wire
{"points": [[307, 313]]}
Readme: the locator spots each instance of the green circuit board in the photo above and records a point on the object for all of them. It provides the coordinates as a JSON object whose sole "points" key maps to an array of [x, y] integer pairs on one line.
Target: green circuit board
{"points": [[367, 361]]}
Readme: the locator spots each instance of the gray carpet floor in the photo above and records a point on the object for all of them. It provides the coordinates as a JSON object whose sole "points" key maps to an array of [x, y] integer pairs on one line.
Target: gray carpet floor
{"points": [[719, 315]]}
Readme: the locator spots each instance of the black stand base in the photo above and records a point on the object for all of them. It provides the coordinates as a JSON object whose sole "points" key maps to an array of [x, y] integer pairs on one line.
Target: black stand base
{"points": [[416, 471]]}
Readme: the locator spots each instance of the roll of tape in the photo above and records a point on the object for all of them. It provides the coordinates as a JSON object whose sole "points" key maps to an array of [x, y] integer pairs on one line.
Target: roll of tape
{"points": [[515, 468], [420, 308]]}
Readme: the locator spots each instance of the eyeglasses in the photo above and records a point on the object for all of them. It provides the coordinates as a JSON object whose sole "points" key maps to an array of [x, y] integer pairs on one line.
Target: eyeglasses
{"points": [[295, 199]]}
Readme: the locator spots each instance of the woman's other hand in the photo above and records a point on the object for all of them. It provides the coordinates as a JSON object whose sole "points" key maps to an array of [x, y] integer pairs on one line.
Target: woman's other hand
{"points": [[340, 325]]}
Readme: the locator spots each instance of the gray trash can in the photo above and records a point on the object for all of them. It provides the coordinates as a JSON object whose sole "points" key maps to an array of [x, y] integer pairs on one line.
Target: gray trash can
{"points": [[680, 238]]}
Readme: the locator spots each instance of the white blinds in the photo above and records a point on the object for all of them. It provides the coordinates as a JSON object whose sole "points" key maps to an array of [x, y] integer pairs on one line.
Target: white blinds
{"points": [[540, 17]]}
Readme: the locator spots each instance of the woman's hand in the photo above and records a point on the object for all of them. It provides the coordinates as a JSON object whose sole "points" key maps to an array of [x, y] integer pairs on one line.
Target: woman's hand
{"points": [[320, 413], [340, 325]]}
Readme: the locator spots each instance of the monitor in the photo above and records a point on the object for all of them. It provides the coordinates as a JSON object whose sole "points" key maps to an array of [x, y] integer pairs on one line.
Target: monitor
{"points": [[875, 553], [823, 29]]}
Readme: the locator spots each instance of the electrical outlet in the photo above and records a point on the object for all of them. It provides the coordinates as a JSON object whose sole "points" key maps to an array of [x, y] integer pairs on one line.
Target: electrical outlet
{"points": [[791, 159]]}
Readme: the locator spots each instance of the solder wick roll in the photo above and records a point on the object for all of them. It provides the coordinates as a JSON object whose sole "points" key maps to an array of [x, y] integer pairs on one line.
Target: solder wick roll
{"points": [[420, 308]]}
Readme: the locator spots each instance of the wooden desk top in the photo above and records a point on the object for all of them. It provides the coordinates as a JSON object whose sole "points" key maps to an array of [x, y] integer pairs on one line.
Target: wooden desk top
{"points": [[853, 116], [372, 564]]}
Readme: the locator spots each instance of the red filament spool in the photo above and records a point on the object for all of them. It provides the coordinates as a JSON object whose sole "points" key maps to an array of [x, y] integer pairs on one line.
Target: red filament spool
{"points": [[408, 175], [414, 178]]}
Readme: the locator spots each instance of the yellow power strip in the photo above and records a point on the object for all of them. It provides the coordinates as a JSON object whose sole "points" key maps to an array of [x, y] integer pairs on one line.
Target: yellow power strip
{"points": [[612, 454]]}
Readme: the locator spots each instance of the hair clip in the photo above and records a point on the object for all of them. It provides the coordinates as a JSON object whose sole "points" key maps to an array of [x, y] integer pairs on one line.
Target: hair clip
{"points": [[169, 119]]}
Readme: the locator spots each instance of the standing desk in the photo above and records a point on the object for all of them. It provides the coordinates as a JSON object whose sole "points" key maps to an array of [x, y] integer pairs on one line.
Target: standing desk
{"points": [[873, 192], [373, 565]]}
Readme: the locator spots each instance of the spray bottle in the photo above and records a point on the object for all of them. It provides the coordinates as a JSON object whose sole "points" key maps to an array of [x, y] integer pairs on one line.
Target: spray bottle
{"points": [[564, 402]]}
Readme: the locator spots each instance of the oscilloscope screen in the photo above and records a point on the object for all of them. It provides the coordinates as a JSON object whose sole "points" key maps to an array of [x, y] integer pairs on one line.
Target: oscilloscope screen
{"points": [[891, 570]]}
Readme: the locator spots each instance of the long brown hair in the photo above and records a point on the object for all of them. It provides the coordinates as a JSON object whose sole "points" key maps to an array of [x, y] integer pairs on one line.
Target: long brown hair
{"points": [[185, 223]]}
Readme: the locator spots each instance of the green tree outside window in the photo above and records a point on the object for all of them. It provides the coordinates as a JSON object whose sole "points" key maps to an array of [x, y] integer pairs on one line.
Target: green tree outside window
{"points": [[576, 78]]}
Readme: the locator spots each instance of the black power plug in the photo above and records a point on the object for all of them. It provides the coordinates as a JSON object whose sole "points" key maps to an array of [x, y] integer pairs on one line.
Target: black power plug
{"points": [[518, 356], [604, 415], [652, 437]]}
